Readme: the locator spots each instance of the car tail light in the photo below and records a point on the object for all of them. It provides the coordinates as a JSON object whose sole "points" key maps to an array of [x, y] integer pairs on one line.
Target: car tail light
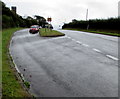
{"points": [[33, 28]]}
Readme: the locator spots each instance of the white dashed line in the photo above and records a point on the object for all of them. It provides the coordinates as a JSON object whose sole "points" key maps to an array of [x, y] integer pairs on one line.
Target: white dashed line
{"points": [[112, 57], [96, 50], [73, 40], [79, 42], [85, 45], [69, 37]]}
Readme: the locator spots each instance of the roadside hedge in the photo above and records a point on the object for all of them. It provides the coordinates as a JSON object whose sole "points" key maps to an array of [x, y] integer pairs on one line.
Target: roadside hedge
{"points": [[96, 24]]}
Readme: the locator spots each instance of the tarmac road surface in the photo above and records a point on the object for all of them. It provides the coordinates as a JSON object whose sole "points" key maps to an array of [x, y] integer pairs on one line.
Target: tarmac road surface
{"points": [[79, 64]]}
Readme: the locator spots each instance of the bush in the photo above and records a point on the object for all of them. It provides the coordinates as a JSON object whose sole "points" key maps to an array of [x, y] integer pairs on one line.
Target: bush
{"points": [[96, 24], [7, 22]]}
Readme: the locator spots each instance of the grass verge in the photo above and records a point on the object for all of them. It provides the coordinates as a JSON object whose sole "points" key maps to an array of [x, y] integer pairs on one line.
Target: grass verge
{"points": [[50, 33], [27, 84], [11, 85], [0, 63], [97, 32]]}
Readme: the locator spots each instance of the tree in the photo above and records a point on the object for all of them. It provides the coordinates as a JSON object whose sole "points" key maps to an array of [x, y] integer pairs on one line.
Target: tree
{"points": [[40, 20], [10, 19]]}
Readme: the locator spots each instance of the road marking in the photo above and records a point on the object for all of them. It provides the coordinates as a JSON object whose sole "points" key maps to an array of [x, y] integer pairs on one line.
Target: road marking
{"points": [[79, 42], [85, 45], [96, 50], [69, 37], [73, 40], [109, 56], [112, 57], [58, 38]]}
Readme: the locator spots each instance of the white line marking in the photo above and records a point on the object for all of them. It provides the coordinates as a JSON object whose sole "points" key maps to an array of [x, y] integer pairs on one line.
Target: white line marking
{"points": [[79, 42], [73, 39], [58, 38], [112, 57], [69, 37], [96, 50], [85, 45]]}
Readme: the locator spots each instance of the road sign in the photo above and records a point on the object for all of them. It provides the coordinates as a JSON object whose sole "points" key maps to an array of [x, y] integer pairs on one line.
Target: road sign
{"points": [[49, 19]]}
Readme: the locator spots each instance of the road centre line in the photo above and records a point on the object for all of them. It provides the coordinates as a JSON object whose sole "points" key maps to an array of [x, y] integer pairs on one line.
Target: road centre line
{"points": [[68, 37], [73, 40], [85, 45], [79, 42], [112, 57], [96, 50]]}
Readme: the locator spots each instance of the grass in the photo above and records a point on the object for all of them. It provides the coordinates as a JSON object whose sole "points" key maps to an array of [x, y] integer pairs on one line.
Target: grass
{"points": [[11, 86], [50, 33], [27, 84], [108, 32], [0, 63]]}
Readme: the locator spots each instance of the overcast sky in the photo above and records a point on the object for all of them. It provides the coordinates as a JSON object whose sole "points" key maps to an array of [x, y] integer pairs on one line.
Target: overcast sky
{"points": [[65, 10]]}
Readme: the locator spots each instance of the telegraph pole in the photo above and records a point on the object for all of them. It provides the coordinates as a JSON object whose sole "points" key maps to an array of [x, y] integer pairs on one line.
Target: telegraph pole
{"points": [[87, 15], [119, 9], [87, 19]]}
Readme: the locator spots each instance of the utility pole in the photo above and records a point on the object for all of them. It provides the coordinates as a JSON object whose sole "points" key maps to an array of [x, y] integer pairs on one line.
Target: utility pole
{"points": [[87, 19], [87, 15], [119, 9]]}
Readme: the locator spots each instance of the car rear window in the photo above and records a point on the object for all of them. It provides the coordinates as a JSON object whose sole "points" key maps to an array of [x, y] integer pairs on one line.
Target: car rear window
{"points": [[34, 26]]}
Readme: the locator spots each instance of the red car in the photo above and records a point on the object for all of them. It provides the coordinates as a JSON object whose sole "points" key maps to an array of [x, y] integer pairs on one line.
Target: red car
{"points": [[34, 29]]}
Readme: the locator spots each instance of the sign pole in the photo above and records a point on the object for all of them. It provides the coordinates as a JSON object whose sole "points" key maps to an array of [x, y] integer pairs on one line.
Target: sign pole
{"points": [[49, 19]]}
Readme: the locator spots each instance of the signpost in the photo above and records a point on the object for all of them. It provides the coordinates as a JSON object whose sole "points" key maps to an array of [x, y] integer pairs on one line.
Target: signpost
{"points": [[49, 19]]}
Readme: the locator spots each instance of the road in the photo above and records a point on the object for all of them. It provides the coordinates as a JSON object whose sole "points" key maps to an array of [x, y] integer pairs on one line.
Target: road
{"points": [[79, 64]]}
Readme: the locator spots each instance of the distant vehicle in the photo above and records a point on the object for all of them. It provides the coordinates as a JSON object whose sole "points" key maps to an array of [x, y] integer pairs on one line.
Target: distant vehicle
{"points": [[34, 29], [40, 27]]}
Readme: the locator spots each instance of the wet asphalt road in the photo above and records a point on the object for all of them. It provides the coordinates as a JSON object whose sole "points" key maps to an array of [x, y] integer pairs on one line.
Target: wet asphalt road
{"points": [[77, 65]]}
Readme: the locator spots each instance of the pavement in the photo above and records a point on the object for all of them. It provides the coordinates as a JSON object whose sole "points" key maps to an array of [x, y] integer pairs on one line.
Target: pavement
{"points": [[78, 64]]}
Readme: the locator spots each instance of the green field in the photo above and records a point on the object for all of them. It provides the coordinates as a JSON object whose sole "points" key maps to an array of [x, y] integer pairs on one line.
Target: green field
{"points": [[50, 33], [107, 32], [11, 86]]}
